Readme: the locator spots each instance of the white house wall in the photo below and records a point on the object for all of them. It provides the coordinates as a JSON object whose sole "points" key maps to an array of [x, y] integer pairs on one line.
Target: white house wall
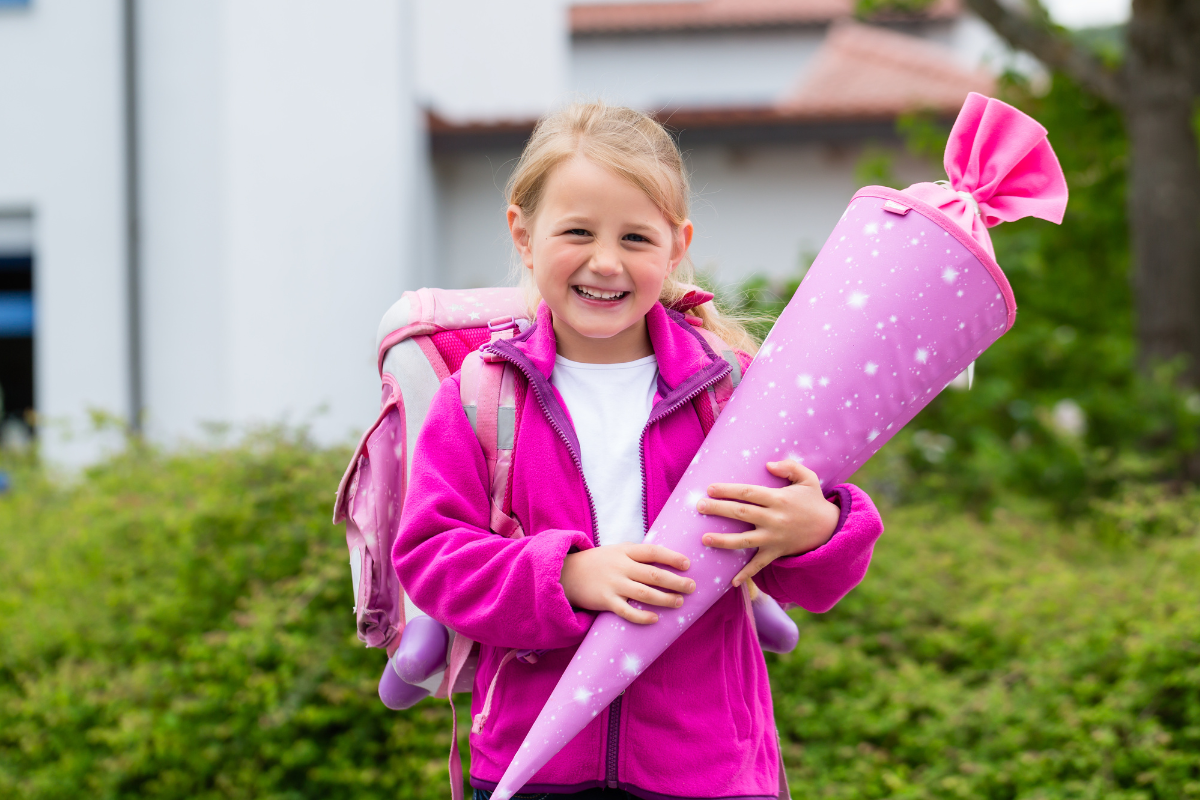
{"points": [[767, 210], [476, 249], [652, 72], [184, 285], [279, 168], [491, 60], [61, 160]]}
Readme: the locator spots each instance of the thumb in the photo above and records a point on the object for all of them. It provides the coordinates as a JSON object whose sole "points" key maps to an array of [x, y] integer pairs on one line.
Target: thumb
{"points": [[793, 471]]}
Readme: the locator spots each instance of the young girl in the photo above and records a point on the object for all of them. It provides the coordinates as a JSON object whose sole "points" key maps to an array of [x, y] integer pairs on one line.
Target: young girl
{"points": [[607, 373]]}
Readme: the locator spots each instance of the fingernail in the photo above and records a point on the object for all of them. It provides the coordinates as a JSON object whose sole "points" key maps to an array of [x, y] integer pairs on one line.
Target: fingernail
{"points": [[686, 563], [701, 505], [678, 602], [707, 540], [692, 586], [655, 618]]}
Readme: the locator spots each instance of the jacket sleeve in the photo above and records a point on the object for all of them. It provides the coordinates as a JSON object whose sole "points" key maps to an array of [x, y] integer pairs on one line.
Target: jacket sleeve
{"points": [[498, 591], [818, 579]]}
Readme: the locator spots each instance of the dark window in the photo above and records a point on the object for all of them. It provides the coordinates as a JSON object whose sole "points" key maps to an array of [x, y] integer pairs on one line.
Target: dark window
{"points": [[16, 334]]}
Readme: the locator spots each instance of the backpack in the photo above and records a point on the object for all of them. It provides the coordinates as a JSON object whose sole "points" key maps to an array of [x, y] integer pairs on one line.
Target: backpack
{"points": [[425, 337]]}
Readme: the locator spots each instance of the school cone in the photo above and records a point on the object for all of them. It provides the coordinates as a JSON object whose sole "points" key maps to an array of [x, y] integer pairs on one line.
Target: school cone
{"points": [[905, 294]]}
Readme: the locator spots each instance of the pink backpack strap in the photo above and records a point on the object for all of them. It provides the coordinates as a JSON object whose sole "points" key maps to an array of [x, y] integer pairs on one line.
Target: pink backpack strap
{"points": [[718, 395], [481, 717], [489, 397], [460, 652]]}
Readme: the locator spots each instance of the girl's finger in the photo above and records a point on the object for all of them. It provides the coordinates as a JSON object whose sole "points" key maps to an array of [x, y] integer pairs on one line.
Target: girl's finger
{"points": [[661, 578], [794, 471], [636, 615], [632, 590], [755, 515], [657, 554], [745, 492], [753, 568], [733, 541]]}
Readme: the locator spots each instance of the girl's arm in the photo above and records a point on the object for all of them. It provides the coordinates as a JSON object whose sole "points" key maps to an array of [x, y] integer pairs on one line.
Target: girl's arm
{"points": [[811, 549], [498, 591]]}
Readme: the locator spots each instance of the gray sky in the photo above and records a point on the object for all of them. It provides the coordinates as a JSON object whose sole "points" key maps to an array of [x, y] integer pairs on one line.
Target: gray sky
{"points": [[1087, 13]]}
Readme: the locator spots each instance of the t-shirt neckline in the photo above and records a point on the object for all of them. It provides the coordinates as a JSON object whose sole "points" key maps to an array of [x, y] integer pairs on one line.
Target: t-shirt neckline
{"points": [[641, 362]]}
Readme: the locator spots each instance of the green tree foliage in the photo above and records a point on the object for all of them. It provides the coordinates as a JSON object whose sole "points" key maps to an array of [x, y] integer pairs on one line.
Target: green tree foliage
{"points": [[1058, 409]]}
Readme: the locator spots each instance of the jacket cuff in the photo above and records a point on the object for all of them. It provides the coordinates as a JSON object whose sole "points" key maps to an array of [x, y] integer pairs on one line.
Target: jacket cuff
{"points": [[841, 497], [572, 622]]}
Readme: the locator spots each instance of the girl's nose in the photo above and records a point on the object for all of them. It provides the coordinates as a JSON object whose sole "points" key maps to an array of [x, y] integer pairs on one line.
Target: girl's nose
{"points": [[605, 261]]}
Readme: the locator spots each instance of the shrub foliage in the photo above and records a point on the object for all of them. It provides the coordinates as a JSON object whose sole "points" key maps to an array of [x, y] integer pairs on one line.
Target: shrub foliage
{"points": [[180, 626]]}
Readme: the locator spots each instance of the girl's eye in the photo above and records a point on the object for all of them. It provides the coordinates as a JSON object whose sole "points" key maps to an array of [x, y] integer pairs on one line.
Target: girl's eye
{"points": [[578, 232], [636, 237]]}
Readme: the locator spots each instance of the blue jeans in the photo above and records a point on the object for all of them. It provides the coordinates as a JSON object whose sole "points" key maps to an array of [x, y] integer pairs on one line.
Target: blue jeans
{"points": [[595, 793]]}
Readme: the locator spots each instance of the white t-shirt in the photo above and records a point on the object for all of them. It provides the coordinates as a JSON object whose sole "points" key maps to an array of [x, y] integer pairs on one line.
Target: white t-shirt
{"points": [[610, 404]]}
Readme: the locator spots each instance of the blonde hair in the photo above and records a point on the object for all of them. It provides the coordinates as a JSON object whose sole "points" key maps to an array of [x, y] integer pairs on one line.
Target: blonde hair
{"points": [[638, 149]]}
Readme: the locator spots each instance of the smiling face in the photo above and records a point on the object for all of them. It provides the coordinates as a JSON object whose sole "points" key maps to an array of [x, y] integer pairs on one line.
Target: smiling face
{"points": [[599, 250]]}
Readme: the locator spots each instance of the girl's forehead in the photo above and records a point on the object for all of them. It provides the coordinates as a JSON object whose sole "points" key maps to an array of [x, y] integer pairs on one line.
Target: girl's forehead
{"points": [[580, 184]]}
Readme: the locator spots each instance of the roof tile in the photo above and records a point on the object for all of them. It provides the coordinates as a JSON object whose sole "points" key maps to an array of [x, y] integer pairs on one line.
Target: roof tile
{"points": [[865, 71], [692, 15]]}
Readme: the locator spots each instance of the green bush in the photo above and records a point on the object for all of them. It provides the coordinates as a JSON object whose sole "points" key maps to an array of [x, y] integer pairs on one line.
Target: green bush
{"points": [[1001, 660], [180, 626]]}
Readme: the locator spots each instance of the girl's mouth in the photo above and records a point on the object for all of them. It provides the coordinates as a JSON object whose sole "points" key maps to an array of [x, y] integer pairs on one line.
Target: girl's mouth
{"points": [[601, 295]]}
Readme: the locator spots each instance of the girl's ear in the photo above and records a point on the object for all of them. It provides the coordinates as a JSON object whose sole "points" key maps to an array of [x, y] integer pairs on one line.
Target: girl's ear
{"points": [[681, 243], [519, 227]]}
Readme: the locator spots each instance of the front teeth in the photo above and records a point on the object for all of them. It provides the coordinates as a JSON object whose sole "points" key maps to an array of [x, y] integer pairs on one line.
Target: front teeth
{"points": [[599, 294]]}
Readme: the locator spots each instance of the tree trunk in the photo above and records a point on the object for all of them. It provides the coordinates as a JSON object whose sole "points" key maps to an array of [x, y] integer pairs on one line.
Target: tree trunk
{"points": [[1164, 183]]}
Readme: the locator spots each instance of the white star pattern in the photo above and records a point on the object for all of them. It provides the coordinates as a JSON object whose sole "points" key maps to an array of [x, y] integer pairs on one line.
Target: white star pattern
{"points": [[949, 274], [922, 355], [871, 368], [804, 381], [857, 300]]}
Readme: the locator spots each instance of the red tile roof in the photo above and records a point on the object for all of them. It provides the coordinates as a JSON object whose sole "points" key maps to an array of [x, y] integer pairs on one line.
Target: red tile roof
{"points": [[695, 15], [864, 71]]}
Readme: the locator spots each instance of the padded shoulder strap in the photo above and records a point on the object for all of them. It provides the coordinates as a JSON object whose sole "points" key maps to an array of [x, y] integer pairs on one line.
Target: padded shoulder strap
{"points": [[488, 392], [718, 395]]}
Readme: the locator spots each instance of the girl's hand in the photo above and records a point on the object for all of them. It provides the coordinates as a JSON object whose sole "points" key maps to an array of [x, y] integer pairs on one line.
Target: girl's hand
{"points": [[606, 578], [787, 521]]}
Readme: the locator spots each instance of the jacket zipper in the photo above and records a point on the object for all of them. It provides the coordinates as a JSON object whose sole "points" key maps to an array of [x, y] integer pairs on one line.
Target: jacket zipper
{"points": [[656, 416], [614, 708]]}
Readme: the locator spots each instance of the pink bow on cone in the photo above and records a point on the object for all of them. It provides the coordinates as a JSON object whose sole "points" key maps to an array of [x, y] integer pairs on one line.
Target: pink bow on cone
{"points": [[1001, 168]]}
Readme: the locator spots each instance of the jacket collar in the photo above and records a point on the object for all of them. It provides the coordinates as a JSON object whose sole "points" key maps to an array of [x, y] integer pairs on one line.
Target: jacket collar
{"points": [[680, 349]]}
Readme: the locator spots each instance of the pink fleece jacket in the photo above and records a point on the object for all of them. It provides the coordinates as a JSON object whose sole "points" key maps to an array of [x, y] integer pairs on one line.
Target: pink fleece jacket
{"points": [[698, 722]]}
